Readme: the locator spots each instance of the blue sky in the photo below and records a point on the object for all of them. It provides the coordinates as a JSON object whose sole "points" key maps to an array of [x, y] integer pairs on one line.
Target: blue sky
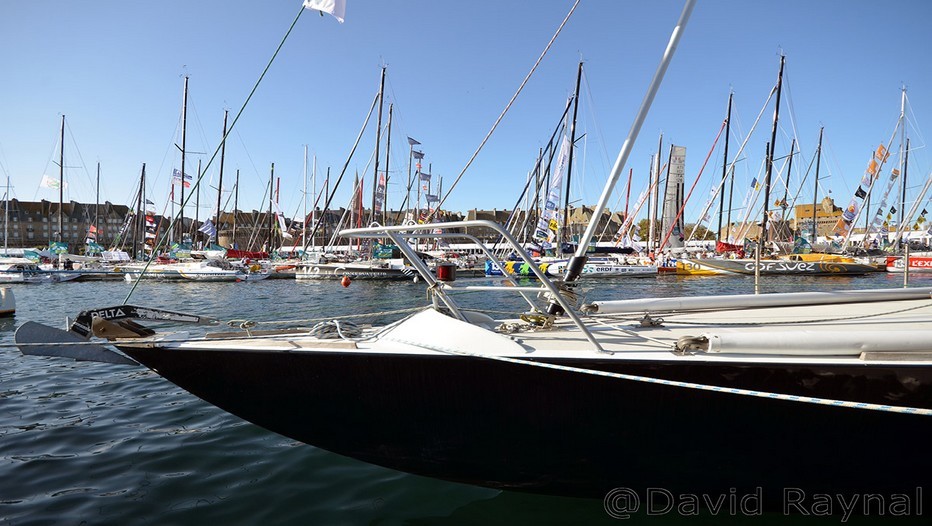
{"points": [[115, 69]]}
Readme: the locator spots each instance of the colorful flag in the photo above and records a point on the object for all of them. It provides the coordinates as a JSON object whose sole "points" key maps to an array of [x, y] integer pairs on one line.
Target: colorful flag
{"points": [[379, 194], [208, 228], [881, 154], [337, 8], [176, 178]]}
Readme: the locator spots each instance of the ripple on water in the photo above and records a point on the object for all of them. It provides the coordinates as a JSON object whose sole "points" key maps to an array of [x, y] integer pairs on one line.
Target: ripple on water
{"points": [[108, 444]]}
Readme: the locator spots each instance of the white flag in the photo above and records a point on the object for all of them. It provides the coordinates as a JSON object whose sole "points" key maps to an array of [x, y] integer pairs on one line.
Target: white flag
{"points": [[49, 182], [337, 8]]}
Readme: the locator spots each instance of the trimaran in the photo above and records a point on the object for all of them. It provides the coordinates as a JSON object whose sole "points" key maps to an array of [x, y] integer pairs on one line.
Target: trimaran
{"points": [[828, 392]]}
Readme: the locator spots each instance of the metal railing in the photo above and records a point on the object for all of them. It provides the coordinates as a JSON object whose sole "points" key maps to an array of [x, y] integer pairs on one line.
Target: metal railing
{"points": [[398, 234]]}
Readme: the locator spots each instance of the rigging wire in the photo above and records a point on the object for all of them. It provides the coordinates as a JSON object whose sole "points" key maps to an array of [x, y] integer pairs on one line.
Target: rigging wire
{"points": [[232, 125], [504, 111]]}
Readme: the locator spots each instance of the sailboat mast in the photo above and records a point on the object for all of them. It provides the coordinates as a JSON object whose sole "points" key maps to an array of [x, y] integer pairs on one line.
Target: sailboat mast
{"points": [[61, 182], [899, 220], [789, 172], [304, 199], [197, 201], [140, 229], [786, 189], [901, 224], [662, 205], [271, 204], [815, 193], [97, 202], [771, 146], [388, 150], [223, 150], [6, 214], [574, 269], [378, 139], [655, 197], [721, 200], [184, 128], [235, 205], [569, 163]]}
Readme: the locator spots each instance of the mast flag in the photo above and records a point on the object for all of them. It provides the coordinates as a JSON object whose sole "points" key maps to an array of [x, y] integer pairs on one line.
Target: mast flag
{"points": [[208, 228], [50, 182], [337, 8]]}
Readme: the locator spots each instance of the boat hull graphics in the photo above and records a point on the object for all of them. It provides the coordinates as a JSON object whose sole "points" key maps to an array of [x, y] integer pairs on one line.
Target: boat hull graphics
{"points": [[772, 267]]}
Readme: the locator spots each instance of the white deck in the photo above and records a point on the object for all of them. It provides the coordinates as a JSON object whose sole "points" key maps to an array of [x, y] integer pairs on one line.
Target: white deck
{"points": [[898, 332]]}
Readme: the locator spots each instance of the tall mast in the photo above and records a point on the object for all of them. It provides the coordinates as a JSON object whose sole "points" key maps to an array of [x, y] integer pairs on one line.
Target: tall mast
{"points": [[654, 197], [815, 193], [140, 230], [197, 202], [6, 214], [902, 156], [771, 146], [902, 226], [388, 150], [314, 193], [378, 139], [97, 204], [575, 266], [61, 182], [662, 204], [271, 203], [569, 163], [235, 205], [184, 127], [223, 150], [304, 221], [721, 200], [786, 189]]}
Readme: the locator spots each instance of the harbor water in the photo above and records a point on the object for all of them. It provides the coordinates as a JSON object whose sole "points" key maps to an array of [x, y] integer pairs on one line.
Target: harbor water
{"points": [[90, 443]]}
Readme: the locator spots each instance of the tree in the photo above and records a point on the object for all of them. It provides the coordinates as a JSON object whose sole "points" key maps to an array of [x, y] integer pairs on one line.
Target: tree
{"points": [[702, 233]]}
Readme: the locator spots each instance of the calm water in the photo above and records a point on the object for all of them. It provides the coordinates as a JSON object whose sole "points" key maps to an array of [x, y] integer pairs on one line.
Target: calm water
{"points": [[86, 443]]}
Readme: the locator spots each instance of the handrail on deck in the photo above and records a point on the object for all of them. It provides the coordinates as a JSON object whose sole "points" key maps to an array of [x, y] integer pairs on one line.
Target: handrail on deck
{"points": [[393, 231]]}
